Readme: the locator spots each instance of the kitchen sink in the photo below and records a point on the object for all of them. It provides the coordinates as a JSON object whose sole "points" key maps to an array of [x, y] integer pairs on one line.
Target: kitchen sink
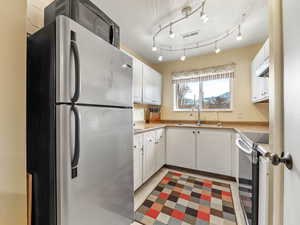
{"points": [[137, 129], [259, 138], [197, 125]]}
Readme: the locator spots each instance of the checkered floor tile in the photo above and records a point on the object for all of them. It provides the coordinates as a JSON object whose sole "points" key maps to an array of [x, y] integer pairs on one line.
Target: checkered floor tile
{"points": [[180, 199]]}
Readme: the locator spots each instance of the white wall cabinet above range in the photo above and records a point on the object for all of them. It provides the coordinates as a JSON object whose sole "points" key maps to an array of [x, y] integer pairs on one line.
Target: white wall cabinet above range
{"points": [[208, 150], [147, 84], [260, 74]]}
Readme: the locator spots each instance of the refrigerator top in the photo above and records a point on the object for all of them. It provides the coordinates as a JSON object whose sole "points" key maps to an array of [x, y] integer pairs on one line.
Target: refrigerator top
{"points": [[88, 69]]}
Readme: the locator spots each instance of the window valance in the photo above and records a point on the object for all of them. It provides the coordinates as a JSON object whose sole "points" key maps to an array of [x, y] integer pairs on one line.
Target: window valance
{"points": [[212, 73]]}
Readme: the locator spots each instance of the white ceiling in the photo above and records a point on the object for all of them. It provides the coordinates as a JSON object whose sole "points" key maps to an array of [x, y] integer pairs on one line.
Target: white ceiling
{"points": [[139, 20]]}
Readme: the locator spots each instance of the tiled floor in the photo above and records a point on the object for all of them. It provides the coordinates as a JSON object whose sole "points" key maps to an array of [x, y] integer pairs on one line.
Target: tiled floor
{"points": [[143, 192]]}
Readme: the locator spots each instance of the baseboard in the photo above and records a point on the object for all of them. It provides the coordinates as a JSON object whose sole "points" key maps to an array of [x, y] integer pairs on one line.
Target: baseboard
{"points": [[202, 173]]}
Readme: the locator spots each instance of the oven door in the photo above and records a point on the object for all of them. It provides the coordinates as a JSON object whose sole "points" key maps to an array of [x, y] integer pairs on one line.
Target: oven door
{"points": [[248, 180]]}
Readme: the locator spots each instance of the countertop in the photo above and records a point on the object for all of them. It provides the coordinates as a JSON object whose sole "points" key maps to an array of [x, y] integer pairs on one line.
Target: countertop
{"points": [[239, 127], [141, 127]]}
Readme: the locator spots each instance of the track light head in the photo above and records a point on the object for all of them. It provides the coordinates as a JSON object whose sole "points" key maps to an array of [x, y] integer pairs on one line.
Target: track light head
{"points": [[239, 37], [217, 49], [204, 17], [183, 58], [171, 33]]}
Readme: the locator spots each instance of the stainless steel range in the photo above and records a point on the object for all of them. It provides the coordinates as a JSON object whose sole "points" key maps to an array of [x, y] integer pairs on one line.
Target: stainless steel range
{"points": [[248, 178]]}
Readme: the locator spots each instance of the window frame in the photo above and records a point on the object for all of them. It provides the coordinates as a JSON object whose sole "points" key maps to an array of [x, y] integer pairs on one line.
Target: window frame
{"points": [[174, 102]]}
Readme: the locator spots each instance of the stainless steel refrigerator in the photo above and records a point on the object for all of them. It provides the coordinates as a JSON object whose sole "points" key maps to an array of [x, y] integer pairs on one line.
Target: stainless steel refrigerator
{"points": [[79, 125]]}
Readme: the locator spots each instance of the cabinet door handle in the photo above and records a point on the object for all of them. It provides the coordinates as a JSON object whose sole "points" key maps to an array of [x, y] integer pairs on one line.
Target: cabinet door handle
{"points": [[198, 132], [194, 132], [134, 146]]}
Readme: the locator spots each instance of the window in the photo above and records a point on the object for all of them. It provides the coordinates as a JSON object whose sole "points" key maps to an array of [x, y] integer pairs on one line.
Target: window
{"points": [[212, 92]]}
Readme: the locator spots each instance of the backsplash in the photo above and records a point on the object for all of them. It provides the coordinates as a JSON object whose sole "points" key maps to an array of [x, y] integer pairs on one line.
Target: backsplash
{"points": [[146, 113], [138, 114]]}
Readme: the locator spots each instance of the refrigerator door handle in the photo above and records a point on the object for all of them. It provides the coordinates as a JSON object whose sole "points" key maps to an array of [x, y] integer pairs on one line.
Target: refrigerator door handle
{"points": [[75, 159], [75, 50]]}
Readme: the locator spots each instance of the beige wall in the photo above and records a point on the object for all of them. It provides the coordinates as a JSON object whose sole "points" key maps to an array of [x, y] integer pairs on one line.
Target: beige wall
{"points": [[243, 109], [12, 113]]}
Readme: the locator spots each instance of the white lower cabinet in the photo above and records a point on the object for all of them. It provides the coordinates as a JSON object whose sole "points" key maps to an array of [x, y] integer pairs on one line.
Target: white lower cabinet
{"points": [[149, 155], [138, 161], [214, 149], [208, 150], [160, 152], [181, 147]]}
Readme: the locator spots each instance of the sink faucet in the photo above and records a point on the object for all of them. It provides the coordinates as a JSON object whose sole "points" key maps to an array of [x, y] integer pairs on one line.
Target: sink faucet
{"points": [[198, 120]]}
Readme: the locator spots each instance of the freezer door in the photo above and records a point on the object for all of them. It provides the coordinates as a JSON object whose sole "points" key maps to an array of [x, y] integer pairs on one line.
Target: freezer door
{"points": [[99, 188], [90, 70]]}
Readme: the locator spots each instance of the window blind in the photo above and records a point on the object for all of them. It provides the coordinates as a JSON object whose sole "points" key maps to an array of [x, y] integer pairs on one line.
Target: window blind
{"points": [[212, 73]]}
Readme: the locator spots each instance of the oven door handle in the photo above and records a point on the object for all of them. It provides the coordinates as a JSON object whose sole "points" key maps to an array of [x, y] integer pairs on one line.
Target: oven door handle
{"points": [[237, 142]]}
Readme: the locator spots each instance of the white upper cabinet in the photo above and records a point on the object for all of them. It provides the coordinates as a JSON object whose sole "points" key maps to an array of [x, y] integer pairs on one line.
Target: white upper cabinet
{"points": [[137, 81], [151, 86], [147, 84], [260, 85]]}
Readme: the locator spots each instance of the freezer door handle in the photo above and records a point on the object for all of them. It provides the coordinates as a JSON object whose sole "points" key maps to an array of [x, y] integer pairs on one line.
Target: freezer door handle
{"points": [[75, 50], [75, 159]]}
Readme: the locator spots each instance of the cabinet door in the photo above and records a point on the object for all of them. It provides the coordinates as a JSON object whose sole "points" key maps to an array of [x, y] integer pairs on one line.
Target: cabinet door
{"points": [[151, 86], [137, 80], [254, 81], [147, 85], [267, 49], [149, 155], [260, 85], [160, 152], [181, 147], [157, 79], [138, 161], [214, 151]]}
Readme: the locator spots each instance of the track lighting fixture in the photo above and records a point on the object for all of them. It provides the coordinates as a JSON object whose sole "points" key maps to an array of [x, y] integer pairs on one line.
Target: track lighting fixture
{"points": [[188, 11]]}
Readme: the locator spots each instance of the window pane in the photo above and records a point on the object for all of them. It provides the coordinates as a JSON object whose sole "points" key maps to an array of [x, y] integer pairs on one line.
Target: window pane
{"points": [[187, 95], [216, 94]]}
